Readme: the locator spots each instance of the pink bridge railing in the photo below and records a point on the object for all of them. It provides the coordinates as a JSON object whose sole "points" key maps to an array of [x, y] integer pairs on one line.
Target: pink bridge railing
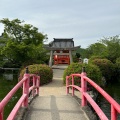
{"points": [[23, 101], [115, 107]]}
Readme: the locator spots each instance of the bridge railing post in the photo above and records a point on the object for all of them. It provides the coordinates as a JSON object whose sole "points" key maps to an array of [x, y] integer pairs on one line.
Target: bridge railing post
{"points": [[67, 84], [38, 84], [34, 84], [113, 113], [26, 88], [84, 87], [1, 115], [72, 84]]}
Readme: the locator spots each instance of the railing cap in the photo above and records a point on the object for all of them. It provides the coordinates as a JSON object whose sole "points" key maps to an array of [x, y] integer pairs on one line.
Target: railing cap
{"points": [[26, 71]]}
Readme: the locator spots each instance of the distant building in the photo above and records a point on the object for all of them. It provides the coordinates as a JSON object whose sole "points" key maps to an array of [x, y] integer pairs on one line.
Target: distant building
{"points": [[61, 51]]}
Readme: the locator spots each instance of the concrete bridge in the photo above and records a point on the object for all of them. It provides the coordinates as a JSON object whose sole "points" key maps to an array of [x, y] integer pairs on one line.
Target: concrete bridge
{"points": [[53, 103], [56, 101]]}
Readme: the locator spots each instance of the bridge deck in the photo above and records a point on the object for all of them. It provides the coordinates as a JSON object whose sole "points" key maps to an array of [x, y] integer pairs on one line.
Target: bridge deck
{"points": [[54, 104]]}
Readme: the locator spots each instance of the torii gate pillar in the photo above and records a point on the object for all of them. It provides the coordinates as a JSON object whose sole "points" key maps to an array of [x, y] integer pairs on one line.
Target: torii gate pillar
{"points": [[51, 58], [70, 55]]}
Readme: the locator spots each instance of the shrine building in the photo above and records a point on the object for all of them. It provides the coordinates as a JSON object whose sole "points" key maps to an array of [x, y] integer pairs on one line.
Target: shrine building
{"points": [[61, 51]]}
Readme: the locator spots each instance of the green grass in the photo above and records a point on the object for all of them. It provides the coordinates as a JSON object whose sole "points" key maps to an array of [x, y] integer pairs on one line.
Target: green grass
{"points": [[5, 87]]}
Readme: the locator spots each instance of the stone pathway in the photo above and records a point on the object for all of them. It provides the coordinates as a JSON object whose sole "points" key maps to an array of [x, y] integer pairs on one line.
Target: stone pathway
{"points": [[53, 103], [56, 87]]}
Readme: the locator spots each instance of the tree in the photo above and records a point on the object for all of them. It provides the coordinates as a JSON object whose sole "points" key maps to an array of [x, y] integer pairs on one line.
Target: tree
{"points": [[16, 53], [78, 55], [113, 47], [83, 52], [23, 44], [97, 49], [17, 31]]}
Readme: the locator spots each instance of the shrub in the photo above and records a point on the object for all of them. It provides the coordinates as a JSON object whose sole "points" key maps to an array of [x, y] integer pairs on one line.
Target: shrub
{"points": [[117, 70], [93, 72], [118, 60], [94, 57], [44, 71], [106, 66], [75, 59]]}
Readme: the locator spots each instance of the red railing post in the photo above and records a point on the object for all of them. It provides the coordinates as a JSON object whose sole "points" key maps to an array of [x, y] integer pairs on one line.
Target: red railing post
{"points": [[72, 84], [38, 84], [113, 113], [67, 84], [1, 115], [84, 87], [26, 88], [34, 84]]}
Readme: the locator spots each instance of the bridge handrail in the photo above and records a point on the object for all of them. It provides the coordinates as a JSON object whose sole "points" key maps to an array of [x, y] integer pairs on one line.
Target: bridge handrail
{"points": [[103, 93], [24, 98], [115, 107]]}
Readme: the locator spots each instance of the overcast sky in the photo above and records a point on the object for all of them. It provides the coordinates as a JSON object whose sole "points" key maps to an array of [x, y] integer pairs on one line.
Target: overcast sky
{"points": [[86, 21]]}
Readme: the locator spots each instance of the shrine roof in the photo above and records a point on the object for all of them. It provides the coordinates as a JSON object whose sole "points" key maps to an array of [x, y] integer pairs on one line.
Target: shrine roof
{"points": [[61, 43]]}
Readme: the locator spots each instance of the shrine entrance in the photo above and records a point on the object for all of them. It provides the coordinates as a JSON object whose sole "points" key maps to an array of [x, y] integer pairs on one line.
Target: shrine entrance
{"points": [[61, 51], [61, 59]]}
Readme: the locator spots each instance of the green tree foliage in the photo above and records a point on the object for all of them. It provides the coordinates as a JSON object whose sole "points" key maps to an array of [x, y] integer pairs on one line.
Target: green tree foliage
{"points": [[97, 49], [107, 48], [83, 52], [22, 43], [16, 53], [78, 55], [113, 47], [117, 66], [17, 31], [118, 60]]}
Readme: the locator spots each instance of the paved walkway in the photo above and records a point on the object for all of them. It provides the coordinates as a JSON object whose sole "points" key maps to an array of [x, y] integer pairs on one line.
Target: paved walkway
{"points": [[54, 104]]}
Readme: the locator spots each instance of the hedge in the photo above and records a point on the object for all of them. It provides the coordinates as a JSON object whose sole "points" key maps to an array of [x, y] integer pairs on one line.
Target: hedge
{"points": [[93, 72], [44, 71], [106, 66]]}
